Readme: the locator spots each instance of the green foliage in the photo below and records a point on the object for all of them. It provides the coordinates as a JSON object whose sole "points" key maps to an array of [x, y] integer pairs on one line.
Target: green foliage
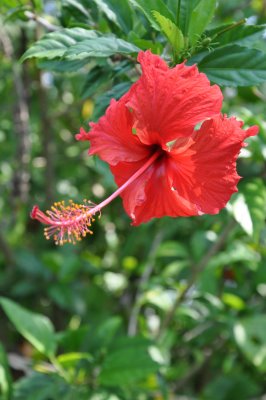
{"points": [[250, 336], [102, 47], [255, 195], [41, 387], [200, 17], [78, 44], [235, 66], [171, 31], [117, 11], [149, 6], [5, 376], [183, 9], [127, 362], [55, 44], [243, 35], [36, 328]]}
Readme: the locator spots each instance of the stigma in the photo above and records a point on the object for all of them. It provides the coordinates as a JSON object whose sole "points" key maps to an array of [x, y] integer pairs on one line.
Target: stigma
{"points": [[67, 223]]}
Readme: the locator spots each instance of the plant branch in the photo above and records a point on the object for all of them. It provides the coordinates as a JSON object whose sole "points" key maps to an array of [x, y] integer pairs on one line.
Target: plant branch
{"points": [[21, 120], [6, 251], [46, 126], [198, 268], [149, 267], [195, 369], [41, 21]]}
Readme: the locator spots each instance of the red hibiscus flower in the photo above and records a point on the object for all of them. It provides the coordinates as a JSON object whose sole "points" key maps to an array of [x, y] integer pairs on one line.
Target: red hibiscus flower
{"points": [[163, 164]]}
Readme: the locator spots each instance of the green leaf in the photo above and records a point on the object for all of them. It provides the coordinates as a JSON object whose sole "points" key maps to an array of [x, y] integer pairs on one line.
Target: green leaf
{"points": [[252, 36], [255, 197], [77, 44], [59, 65], [127, 363], [171, 31], [76, 5], [117, 11], [241, 213], [158, 297], [9, 5], [171, 248], [55, 44], [97, 78], [148, 6], [71, 360], [144, 44], [38, 386], [103, 101], [106, 332], [232, 384], [234, 66], [183, 12], [233, 301], [100, 47], [75, 13], [250, 336], [36, 328], [200, 18], [5, 376], [15, 14], [237, 252]]}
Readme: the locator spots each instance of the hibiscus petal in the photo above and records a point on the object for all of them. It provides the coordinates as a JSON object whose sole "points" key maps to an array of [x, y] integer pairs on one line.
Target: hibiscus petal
{"points": [[151, 195], [112, 138], [82, 135], [135, 193], [206, 174], [168, 103]]}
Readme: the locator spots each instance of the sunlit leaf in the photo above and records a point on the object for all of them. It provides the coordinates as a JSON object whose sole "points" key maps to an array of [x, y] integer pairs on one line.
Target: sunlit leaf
{"points": [[70, 360], [233, 301], [241, 213], [149, 6], [5, 376], [171, 31], [36, 328], [255, 197], [250, 337]]}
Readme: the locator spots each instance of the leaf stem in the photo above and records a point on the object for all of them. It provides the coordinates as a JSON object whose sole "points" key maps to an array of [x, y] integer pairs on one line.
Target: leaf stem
{"points": [[178, 13], [59, 368], [198, 268], [147, 271], [229, 28]]}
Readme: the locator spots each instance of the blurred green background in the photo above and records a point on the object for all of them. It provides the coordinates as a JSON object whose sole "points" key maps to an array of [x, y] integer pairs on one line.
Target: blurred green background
{"points": [[108, 296]]}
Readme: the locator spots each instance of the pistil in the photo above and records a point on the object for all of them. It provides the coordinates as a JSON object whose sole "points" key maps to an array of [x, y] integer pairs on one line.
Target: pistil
{"points": [[69, 223]]}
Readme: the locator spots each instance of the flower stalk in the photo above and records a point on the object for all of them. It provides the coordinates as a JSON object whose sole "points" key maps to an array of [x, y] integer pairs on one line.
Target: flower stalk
{"points": [[70, 223]]}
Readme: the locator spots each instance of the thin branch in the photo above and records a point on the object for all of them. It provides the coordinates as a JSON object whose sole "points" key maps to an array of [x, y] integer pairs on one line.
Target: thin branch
{"points": [[21, 121], [198, 268], [195, 369], [47, 140], [149, 267], [41, 21], [6, 251]]}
